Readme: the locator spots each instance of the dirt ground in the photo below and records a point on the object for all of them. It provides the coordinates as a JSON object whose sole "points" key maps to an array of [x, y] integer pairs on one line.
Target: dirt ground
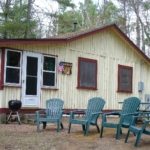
{"points": [[25, 137]]}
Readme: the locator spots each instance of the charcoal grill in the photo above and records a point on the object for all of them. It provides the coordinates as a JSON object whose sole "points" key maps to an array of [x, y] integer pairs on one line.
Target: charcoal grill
{"points": [[14, 107]]}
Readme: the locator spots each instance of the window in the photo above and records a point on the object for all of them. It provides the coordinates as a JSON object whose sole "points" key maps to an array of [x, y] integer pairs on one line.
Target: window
{"points": [[125, 78], [87, 73], [12, 67], [31, 75], [49, 71]]}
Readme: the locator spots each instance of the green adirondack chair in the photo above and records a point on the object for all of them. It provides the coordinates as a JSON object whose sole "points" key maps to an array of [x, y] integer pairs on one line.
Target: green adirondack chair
{"points": [[139, 130], [52, 114], [130, 107], [94, 109]]}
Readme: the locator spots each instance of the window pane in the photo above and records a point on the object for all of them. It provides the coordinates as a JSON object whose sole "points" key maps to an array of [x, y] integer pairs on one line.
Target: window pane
{"points": [[12, 75], [13, 58], [32, 63], [48, 79], [49, 64], [125, 79], [31, 86], [87, 73]]}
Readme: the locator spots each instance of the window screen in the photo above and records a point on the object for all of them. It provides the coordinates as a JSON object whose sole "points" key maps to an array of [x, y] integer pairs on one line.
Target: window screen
{"points": [[124, 78], [87, 73]]}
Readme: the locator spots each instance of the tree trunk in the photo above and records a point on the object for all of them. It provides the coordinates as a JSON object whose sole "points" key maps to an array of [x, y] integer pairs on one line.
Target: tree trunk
{"points": [[28, 18], [133, 3], [138, 35], [143, 39]]}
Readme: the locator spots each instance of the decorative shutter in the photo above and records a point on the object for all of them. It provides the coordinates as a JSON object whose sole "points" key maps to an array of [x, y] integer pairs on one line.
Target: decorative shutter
{"points": [[2, 60]]}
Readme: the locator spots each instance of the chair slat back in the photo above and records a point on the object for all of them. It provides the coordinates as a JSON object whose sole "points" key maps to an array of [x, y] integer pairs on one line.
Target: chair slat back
{"points": [[54, 107], [95, 105], [130, 105]]}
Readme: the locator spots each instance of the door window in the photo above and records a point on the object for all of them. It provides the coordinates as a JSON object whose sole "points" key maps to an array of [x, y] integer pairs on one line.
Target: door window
{"points": [[31, 77]]}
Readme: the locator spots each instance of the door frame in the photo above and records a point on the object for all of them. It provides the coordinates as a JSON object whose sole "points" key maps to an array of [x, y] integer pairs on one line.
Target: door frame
{"points": [[31, 100]]}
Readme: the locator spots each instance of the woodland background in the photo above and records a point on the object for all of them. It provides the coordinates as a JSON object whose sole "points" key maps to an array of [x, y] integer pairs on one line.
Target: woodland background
{"points": [[25, 19]]}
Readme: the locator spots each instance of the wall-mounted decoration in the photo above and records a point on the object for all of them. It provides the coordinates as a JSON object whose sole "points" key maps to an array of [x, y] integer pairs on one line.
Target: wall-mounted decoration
{"points": [[60, 67], [65, 68]]}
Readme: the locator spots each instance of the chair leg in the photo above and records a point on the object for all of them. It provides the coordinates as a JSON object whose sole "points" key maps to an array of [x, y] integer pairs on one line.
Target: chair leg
{"points": [[38, 126], [83, 127], [97, 128], [61, 124], [58, 126], [101, 132], [126, 139], [87, 129], [69, 127], [44, 125], [138, 137], [118, 132]]}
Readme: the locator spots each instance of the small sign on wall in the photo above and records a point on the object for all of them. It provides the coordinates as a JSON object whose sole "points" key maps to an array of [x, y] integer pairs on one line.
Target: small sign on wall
{"points": [[65, 68], [140, 86]]}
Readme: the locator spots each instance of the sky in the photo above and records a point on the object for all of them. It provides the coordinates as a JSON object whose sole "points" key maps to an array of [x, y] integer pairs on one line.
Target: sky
{"points": [[51, 5]]}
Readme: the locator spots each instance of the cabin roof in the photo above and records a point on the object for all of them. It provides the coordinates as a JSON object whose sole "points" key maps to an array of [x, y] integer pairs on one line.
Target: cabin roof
{"points": [[73, 36]]}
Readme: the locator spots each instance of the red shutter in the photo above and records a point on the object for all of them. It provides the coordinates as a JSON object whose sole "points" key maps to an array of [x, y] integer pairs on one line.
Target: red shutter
{"points": [[2, 60]]}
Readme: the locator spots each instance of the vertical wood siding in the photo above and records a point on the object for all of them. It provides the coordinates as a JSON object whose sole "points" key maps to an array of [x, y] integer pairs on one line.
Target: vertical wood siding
{"points": [[109, 50]]}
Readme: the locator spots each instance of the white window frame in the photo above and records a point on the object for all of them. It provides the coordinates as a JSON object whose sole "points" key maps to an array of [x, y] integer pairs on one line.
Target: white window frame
{"points": [[55, 72], [5, 68]]}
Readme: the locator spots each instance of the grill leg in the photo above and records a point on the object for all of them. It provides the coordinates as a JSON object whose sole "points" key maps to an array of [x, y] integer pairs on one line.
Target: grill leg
{"points": [[17, 114], [9, 117], [18, 117]]}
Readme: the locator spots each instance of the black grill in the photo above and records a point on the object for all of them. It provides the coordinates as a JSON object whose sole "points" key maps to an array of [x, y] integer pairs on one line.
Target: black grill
{"points": [[14, 106]]}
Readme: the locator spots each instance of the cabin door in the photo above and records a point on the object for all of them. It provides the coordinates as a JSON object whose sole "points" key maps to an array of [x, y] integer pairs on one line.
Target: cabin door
{"points": [[31, 76]]}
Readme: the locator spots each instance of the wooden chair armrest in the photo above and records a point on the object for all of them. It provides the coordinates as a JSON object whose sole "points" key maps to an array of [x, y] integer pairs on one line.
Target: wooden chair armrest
{"points": [[141, 115], [75, 112], [136, 114], [112, 113], [97, 113], [94, 114], [41, 111], [38, 113], [104, 115]]}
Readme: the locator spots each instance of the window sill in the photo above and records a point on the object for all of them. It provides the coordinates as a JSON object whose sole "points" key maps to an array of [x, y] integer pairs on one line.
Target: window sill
{"points": [[87, 88], [122, 91], [12, 85], [49, 88]]}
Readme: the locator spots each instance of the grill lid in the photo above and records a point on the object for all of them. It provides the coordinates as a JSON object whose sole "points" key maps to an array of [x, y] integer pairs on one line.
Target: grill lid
{"points": [[14, 105]]}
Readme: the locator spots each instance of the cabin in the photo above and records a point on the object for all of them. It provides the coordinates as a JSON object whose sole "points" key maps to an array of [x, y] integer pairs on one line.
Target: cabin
{"points": [[75, 67]]}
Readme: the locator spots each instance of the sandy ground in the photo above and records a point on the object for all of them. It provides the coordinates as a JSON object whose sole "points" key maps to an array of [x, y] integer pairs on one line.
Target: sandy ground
{"points": [[25, 137]]}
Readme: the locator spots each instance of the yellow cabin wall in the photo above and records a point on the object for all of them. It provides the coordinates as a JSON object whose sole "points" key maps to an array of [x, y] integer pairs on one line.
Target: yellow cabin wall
{"points": [[109, 49]]}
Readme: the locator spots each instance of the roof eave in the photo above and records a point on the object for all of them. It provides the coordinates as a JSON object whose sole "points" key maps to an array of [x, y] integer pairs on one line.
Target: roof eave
{"points": [[131, 43]]}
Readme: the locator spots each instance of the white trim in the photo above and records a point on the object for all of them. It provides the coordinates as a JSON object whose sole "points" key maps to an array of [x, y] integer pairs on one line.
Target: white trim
{"points": [[5, 66], [55, 72], [31, 100]]}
